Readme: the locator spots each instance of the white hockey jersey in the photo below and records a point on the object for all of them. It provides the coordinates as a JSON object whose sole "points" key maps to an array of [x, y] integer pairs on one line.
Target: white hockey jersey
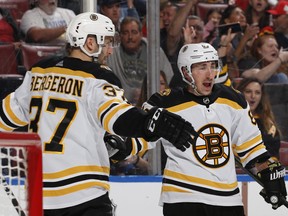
{"points": [[205, 172], [70, 104]]}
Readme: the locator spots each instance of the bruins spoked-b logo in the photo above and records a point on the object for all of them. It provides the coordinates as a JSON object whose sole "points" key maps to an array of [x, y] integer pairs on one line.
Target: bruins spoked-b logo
{"points": [[212, 146]]}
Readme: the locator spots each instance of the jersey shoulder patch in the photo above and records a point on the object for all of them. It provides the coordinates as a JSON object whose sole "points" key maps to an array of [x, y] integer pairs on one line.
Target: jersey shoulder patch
{"points": [[106, 67], [165, 92], [168, 98], [232, 94]]}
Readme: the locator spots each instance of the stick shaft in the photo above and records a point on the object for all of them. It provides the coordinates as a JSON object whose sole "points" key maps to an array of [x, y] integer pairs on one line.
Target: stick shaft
{"points": [[14, 199]]}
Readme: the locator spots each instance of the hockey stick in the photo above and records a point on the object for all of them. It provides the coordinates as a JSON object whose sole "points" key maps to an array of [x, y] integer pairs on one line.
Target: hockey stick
{"points": [[283, 200], [10, 193], [14, 199]]}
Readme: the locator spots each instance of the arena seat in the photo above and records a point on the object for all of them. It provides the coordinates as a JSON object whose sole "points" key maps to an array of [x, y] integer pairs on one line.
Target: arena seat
{"points": [[33, 53], [284, 144], [17, 7], [8, 60], [283, 152], [202, 8]]}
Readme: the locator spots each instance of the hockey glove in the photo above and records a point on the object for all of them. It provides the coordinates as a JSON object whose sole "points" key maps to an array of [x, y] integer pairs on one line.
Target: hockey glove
{"points": [[172, 127], [118, 148], [274, 191]]}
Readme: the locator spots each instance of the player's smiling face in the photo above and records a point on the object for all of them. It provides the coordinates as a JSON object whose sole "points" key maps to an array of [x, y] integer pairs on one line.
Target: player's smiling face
{"points": [[203, 74]]}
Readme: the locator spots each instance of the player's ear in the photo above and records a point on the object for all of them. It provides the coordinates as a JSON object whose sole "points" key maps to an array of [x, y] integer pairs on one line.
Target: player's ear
{"points": [[184, 69], [90, 44]]}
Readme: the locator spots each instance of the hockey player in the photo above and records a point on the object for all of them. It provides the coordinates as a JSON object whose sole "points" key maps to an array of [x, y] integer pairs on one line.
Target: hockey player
{"points": [[71, 102], [202, 180]]}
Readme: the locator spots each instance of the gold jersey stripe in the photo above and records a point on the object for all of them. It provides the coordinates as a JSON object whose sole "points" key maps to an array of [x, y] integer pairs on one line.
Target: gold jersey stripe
{"points": [[106, 105], [224, 70], [75, 188], [63, 71], [10, 113], [166, 188], [201, 181], [74, 170], [262, 146], [228, 102], [134, 150], [4, 127], [144, 147], [249, 143], [182, 106], [110, 114]]}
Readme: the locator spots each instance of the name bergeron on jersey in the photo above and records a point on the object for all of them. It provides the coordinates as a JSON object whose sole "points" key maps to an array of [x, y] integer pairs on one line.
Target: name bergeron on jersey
{"points": [[56, 83]]}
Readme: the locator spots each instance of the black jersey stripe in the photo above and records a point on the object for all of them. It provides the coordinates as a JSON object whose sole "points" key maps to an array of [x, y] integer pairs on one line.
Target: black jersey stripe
{"points": [[5, 119], [106, 111], [242, 154], [200, 189], [76, 179], [139, 145]]}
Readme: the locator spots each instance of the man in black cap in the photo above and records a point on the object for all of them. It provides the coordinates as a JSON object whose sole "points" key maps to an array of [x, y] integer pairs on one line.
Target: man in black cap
{"points": [[112, 9]]}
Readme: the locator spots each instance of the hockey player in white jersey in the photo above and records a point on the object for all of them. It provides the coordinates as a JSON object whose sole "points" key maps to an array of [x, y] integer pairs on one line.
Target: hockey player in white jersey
{"points": [[202, 180], [71, 102]]}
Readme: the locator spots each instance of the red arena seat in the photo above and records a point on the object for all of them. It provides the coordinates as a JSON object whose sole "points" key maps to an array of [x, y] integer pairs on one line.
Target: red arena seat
{"points": [[283, 156], [8, 60], [202, 8], [34, 53], [17, 7]]}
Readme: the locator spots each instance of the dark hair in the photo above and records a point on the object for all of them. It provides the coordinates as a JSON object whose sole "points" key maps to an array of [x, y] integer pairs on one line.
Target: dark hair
{"points": [[211, 11], [128, 20], [263, 21], [263, 110], [11, 21], [143, 94], [227, 13]]}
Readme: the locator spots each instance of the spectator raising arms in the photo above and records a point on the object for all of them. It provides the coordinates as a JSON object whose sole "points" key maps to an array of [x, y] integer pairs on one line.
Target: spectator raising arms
{"points": [[46, 23], [241, 41], [265, 59]]}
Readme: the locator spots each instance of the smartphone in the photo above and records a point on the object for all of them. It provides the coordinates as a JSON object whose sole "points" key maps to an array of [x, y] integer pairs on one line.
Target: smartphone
{"points": [[235, 27]]}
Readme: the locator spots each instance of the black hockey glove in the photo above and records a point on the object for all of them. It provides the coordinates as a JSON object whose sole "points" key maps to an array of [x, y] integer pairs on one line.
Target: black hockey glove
{"points": [[172, 127], [118, 147], [274, 191]]}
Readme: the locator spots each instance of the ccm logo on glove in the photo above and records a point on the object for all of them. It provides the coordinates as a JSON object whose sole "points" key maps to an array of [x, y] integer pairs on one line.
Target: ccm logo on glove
{"points": [[155, 117]]}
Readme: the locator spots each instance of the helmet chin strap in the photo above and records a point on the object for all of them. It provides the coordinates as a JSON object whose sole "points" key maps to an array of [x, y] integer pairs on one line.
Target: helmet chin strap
{"points": [[94, 55], [194, 87]]}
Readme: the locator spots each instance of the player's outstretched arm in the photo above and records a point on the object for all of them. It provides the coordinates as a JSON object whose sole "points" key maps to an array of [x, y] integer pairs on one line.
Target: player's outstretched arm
{"points": [[172, 127]]}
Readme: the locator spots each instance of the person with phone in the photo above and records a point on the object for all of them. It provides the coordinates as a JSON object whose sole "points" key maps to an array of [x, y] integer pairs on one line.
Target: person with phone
{"points": [[240, 42], [235, 28]]}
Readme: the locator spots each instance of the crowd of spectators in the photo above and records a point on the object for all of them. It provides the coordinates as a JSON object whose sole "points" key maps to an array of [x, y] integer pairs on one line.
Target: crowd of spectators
{"points": [[257, 51]]}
